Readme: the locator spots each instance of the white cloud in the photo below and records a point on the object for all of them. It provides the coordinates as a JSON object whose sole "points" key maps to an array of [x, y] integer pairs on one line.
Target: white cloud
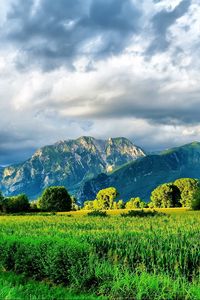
{"points": [[153, 100]]}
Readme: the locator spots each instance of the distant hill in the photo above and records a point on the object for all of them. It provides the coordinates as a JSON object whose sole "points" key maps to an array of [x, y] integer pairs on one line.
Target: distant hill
{"points": [[69, 163], [140, 177]]}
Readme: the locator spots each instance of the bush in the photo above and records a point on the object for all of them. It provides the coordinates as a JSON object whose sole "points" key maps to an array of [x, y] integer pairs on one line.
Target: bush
{"points": [[55, 198], [97, 213], [142, 213]]}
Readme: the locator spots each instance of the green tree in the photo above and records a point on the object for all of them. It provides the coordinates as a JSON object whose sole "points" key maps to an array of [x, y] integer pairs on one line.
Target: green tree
{"points": [[96, 205], [120, 204], [88, 205], [55, 198], [187, 188], [2, 203], [195, 203], [106, 197], [166, 195], [15, 204], [135, 203], [74, 204]]}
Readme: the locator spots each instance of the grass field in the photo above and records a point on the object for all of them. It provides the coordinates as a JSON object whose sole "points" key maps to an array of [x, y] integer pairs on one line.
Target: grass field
{"points": [[18, 287], [118, 258]]}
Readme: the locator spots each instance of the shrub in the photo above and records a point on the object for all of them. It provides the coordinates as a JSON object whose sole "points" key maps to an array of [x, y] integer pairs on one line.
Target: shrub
{"points": [[142, 213], [97, 213]]}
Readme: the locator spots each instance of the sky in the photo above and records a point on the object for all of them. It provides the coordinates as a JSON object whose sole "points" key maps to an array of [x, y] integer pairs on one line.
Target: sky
{"points": [[102, 68]]}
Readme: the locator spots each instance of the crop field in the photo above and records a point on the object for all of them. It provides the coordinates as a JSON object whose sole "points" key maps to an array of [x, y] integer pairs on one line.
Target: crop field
{"points": [[113, 257]]}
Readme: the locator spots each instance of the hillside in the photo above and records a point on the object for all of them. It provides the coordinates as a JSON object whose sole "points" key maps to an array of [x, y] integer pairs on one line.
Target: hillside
{"points": [[139, 178], [69, 163]]}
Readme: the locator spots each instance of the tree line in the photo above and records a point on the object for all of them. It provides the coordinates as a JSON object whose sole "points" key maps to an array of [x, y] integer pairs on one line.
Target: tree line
{"points": [[55, 198], [184, 192]]}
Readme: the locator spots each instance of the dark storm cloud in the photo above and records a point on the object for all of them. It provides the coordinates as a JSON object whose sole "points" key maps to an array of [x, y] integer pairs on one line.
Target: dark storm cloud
{"points": [[15, 156], [56, 32], [13, 147], [161, 23]]}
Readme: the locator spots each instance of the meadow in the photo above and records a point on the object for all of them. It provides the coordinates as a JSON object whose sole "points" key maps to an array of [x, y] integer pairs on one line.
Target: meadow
{"points": [[113, 257]]}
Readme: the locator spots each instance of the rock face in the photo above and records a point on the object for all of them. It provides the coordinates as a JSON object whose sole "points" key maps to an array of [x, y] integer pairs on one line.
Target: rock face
{"points": [[139, 178], [69, 163]]}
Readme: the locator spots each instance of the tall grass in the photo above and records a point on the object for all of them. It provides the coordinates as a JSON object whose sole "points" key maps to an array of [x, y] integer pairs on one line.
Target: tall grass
{"points": [[18, 287], [130, 257]]}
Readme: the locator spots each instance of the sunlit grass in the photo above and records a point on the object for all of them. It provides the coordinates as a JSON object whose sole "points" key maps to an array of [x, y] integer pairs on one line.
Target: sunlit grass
{"points": [[108, 256]]}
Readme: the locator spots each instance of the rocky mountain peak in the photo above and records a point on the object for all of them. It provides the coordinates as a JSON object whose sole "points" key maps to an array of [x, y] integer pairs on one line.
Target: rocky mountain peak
{"points": [[68, 163]]}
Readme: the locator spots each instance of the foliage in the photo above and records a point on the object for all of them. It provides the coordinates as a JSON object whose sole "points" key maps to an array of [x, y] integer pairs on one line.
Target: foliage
{"points": [[88, 205], [34, 207], [134, 203], [15, 204], [119, 205], [106, 197], [142, 213], [55, 198], [165, 196], [97, 213], [1, 197], [195, 203], [74, 204], [187, 188], [2, 203]]}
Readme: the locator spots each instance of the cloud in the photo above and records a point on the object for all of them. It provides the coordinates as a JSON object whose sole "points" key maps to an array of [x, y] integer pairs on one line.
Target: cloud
{"points": [[54, 33], [98, 67], [162, 21]]}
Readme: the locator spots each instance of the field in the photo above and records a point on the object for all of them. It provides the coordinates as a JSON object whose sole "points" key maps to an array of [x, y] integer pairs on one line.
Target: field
{"points": [[111, 257]]}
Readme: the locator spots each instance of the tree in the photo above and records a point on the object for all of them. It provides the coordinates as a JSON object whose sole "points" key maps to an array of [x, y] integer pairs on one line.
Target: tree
{"points": [[2, 203], [195, 203], [15, 204], [120, 204], [187, 188], [166, 195], [74, 204], [55, 198], [88, 205], [106, 197], [135, 203], [96, 205]]}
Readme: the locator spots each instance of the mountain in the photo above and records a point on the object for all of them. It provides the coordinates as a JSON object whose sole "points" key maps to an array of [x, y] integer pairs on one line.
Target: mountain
{"points": [[69, 163], [140, 177]]}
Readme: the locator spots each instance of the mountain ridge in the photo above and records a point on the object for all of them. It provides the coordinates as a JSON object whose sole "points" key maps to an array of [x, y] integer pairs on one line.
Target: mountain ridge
{"points": [[68, 163], [139, 178]]}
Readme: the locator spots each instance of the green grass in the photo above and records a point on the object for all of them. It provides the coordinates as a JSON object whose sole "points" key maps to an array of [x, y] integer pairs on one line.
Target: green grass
{"points": [[13, 287], [136, 258]]}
